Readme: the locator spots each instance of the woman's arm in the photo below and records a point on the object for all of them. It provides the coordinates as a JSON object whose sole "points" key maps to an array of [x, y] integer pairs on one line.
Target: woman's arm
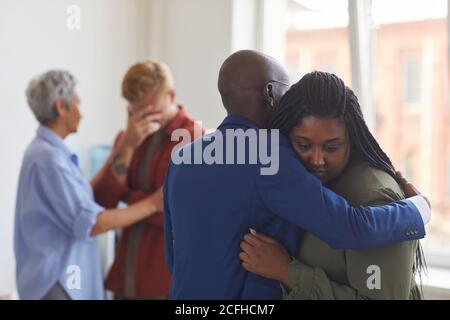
{"points": [[386, 272], [383, 273], [119, 218], [267, 257], [379, 274], [308, 283]]}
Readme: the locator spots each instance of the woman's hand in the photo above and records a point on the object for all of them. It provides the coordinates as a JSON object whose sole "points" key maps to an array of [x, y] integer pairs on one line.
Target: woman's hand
{"points": [[155, 202], [408, 188], [265, 256]]}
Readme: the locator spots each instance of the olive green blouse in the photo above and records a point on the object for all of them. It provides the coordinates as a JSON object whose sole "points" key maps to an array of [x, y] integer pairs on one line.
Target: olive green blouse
{"points": [[320, 272]]}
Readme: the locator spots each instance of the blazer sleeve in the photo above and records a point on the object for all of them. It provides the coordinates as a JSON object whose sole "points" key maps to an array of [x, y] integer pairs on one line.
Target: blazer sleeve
{"points": [[300, 198]]}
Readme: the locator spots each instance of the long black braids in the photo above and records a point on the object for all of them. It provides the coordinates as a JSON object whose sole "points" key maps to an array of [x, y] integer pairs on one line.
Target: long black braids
{"points": [[325, 95]]}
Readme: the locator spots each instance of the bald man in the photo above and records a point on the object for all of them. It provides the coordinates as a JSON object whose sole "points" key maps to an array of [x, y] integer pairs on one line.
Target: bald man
{"points": [[211, 199]]}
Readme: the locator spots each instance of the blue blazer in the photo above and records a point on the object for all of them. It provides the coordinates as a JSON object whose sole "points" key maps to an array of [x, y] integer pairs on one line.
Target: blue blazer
{"points": [[210, 207]]}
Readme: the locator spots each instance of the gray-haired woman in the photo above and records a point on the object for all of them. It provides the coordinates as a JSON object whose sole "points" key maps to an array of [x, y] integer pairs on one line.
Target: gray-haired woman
{"points": [[56, 216]]}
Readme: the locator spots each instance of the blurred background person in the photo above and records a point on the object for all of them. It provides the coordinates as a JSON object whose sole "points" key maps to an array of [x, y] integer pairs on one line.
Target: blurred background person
{"points": [[56, 218], [136, 169]]}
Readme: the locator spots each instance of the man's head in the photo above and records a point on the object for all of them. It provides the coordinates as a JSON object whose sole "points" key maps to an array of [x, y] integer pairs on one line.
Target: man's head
{"points": [[54, 102], [150, 84], [251, 84]]}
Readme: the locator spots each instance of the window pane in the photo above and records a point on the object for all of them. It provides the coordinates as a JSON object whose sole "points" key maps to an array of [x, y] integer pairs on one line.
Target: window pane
{"points": [[448, 176], [317, 38], [411, 101], [411, 80]]}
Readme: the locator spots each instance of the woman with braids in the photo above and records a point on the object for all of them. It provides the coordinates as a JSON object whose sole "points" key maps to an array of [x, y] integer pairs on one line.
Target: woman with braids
{"points": [[324, 122]]}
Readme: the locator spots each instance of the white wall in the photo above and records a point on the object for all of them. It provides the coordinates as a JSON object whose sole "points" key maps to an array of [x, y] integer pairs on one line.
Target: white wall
{"points": [[195, 36], [34, 38], [192, 36], [273, 28]]}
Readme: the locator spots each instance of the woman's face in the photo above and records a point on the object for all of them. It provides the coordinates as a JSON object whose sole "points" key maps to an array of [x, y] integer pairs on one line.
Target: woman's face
{"points": [[322, 145]]}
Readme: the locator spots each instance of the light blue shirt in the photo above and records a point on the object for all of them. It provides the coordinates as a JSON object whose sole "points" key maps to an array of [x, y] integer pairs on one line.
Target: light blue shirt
{"points": [[55, 212]]}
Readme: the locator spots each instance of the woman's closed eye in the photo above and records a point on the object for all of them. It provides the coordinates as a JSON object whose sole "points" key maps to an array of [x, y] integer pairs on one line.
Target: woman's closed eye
{"points": [[327, 148], [333, 147], [303, 146]]}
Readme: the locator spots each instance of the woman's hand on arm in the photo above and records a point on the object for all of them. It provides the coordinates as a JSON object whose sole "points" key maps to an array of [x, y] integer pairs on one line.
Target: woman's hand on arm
{"points": [[120, 218], [265, 256], [408, 188]]}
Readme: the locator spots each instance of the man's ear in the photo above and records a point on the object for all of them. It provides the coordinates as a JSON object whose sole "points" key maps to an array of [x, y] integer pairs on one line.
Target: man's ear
{"points": [[269, 95]]}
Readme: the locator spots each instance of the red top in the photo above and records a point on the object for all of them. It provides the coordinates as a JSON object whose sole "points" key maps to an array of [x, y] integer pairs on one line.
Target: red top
{"points": [[151, 275]]}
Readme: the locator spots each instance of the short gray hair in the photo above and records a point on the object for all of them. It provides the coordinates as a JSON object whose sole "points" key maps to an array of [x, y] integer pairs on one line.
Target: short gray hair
{"points": [[44, 90]]}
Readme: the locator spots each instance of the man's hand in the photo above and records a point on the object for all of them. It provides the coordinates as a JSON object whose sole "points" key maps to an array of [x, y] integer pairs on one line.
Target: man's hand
{"points": [[141, 124], [265, 256], [409, 189]]}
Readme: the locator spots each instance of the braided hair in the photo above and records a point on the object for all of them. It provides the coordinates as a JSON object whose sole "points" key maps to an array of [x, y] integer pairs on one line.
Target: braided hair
{"points": [[325, 95]]}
